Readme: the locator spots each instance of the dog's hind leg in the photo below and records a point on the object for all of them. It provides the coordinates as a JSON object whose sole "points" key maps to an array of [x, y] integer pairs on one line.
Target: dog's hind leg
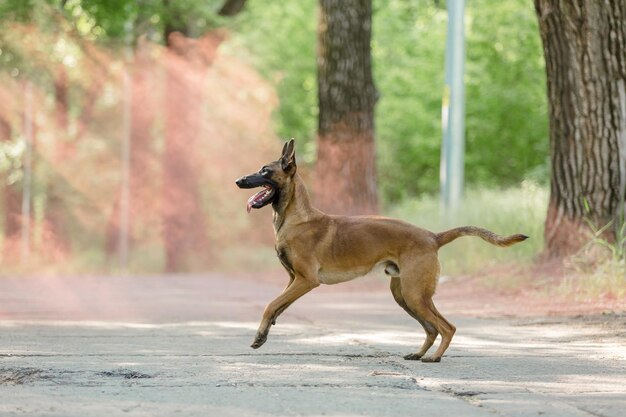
{"points": [[418, 281], [445, 340], [431, 332], [295, 290]]}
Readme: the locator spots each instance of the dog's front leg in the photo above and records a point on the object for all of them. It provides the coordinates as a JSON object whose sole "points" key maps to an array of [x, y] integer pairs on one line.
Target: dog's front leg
{"points": [[298, 287]]}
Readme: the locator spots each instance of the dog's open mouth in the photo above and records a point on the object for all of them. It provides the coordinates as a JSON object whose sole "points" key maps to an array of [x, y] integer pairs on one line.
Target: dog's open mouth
{"points": [[261, 198]]}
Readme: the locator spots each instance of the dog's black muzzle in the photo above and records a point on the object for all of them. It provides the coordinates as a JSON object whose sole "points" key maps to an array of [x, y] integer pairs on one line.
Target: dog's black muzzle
{"points": [[267, 195], [252, 181]]}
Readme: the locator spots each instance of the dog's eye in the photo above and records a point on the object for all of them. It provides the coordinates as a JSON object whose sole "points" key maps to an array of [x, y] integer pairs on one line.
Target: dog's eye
{"points": [[265, 171]]}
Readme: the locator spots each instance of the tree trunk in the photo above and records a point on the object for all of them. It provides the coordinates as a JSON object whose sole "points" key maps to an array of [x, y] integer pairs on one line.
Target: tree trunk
{"points": [[56, 212], [12, 198], [61, 100], [345, 180], [232, 7], [584, 44], [184, 222]]}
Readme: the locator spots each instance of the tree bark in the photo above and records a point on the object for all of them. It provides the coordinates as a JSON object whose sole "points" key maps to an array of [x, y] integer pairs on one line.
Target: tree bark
{"points": [[584, 44], [346, 156]]}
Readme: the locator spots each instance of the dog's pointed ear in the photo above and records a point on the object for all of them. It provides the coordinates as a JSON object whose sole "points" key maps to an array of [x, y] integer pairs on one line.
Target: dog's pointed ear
{"points": [[288, 158], [282, 154]]}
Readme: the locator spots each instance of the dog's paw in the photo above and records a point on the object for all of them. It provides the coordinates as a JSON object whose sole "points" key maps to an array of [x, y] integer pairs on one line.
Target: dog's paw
{"points": [[258, 341], [412, 357], [430, 359]]}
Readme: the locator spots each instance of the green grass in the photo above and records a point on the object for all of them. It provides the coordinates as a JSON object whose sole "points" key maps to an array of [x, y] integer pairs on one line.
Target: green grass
{"points": [[604, 279], [599, 268], [506, 211]]}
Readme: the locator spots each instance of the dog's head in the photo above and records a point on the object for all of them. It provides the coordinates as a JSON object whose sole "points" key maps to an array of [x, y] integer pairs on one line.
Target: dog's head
{"points": [[275, 178]]}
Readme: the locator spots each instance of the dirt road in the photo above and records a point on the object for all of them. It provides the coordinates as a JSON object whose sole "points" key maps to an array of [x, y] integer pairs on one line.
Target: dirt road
{"points": [[156, 346]]}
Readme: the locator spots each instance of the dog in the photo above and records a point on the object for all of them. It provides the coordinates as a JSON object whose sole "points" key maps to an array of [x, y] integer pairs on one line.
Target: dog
{"points": [[316, 248]]}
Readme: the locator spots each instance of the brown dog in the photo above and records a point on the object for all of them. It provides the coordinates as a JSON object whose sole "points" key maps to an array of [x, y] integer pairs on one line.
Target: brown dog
{"points": [[316, 248]]}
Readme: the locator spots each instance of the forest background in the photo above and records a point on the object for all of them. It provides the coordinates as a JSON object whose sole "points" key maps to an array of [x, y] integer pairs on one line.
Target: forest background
{"points": [[124, 124]]}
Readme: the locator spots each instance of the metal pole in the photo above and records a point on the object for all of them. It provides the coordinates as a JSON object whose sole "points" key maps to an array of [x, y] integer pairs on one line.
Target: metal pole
{"points": [[451, 172]]}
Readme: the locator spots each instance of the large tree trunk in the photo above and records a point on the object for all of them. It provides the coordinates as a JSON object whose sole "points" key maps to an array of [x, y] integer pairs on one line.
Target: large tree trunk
{"points": [[345, 180], [584, 44]]}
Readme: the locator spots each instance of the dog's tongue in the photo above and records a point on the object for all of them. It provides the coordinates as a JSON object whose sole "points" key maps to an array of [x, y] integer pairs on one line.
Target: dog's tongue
{"points": [[258, 196]]}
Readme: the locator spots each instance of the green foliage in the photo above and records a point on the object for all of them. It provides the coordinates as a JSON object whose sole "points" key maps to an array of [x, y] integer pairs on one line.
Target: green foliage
{"points": [[123, 20], [117, 20], [507, 120], [12, 57], [109, 18], [408, 52], [279, 38], [506, 123], [26, 10]]}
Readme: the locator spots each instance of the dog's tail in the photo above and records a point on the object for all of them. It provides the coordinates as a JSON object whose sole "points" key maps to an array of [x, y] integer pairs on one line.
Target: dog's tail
{"points": [[448, 236]]}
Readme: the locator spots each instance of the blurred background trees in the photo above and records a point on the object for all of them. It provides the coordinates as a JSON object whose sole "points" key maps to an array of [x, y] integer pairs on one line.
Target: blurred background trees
{"points": [[143, 112], [506, 104], [125, 109]]}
